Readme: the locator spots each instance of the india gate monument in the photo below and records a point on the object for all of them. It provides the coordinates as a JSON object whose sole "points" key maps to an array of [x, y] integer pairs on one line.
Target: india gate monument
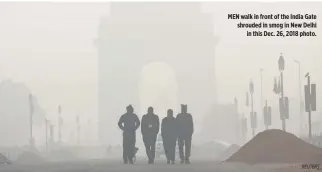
{"points": [[136, 34]]}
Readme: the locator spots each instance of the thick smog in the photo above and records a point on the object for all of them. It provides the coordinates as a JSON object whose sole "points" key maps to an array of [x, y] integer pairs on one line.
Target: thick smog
{"points": [[160, 86]]}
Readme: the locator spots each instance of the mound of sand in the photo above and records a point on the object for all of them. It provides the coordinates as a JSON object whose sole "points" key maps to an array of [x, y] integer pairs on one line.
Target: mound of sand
{"points": [[276, 146], [30, 158], [4, 160], [229, 152]]}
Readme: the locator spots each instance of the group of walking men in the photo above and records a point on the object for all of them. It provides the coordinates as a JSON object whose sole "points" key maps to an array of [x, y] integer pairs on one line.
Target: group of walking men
{"points": [[173, 129]]}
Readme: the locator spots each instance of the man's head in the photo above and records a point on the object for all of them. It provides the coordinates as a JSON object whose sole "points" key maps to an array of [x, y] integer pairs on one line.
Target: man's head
{"points": [[150, 110], [183, 108], [170, 113], [129, 109]]}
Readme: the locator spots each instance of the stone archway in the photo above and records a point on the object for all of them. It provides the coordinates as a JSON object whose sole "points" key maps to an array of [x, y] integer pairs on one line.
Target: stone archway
{"points": [[157, 88], [136, 34]]}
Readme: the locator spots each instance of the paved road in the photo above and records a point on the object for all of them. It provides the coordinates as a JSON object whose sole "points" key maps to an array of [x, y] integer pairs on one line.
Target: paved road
{"points": [[140, 166]]}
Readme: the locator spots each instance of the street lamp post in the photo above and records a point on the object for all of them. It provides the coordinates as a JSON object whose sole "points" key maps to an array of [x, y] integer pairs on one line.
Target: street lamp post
{"points": [[51, 135], [78, 130], [46, 135], [281, 66], [266, 115], [244, 118], [251, 91], [59, 124], [310, 100], [309, 109], [31, 109], [300, 94], [237, 117], [244, 128]]}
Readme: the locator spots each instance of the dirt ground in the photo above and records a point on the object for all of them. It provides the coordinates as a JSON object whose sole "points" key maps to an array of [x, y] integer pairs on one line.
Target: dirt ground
{"points": [[113, 165]]}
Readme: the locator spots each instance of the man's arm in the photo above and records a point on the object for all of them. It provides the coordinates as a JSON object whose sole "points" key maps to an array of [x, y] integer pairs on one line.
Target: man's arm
{"points": [[178, 125], [137, 122], [191, 124], [162, 127], [158, 125], [120, 123], [143, 124]]}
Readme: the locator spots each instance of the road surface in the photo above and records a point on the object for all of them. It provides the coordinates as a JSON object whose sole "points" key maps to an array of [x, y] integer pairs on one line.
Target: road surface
{"points": [[140, 166]]}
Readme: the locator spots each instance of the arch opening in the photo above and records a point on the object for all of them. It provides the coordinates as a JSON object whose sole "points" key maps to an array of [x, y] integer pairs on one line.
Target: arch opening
{"points": [[157, 88]]}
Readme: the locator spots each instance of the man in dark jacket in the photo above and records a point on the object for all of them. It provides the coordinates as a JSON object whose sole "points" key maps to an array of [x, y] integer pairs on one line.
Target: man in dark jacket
{"points": [[150, 128], [129, 123], [185, 130], [169, 136]]}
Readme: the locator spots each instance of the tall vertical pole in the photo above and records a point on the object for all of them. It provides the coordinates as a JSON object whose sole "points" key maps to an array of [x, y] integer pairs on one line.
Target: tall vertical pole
{"points": [[46, 123], [31, 119], [300, 98], [51, 135], [59, 125], [266, 114], [243, 128], [309, 92], [78, 134], [30, 123], [237, 119], [281, 66], [78, 131], [282, 94]]}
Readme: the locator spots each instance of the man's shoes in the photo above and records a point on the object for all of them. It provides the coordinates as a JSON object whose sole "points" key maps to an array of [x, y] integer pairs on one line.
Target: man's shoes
{"points": [[172, 162], [131, 161], [182, 162], [187, 161], [125, 162], [168, 161]]}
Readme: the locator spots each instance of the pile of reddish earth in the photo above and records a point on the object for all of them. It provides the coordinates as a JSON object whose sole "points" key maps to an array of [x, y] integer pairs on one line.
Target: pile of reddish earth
{"points": [[4, 160], [276, 146], [30, 158]]}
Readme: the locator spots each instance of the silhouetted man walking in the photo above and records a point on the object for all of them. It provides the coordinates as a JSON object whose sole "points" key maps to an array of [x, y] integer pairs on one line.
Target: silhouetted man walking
{"points": [[185, 130], [150, 129], [129, 123], [169, 136]]}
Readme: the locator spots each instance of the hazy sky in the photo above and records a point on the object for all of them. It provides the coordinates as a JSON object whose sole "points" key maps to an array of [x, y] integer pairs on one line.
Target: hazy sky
{"points": [[49, 46]]}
